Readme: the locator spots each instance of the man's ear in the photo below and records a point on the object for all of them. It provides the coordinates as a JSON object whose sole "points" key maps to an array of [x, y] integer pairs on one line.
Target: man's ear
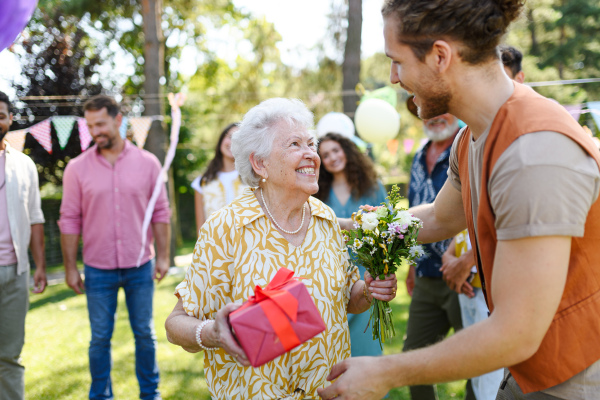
{"points": [[258, 165], [441, 55], [119, 119], [520, 77], [10, 119]]}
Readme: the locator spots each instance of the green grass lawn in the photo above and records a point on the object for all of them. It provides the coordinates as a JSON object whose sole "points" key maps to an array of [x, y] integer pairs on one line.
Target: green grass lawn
{"points": [[56, 362]]}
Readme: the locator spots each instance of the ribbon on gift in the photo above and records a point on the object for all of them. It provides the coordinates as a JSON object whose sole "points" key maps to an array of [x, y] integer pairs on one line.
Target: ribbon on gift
{"points": [[279, 306]]}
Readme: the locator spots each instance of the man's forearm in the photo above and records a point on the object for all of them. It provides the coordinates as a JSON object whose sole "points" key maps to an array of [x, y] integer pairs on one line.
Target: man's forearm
{"points": [[162, 240], [69, 245], [37, 246], [481, 348]]}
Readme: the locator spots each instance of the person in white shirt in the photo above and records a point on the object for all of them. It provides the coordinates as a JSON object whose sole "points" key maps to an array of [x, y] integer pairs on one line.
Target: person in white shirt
{"points": [[221, 183], [21, 226]]}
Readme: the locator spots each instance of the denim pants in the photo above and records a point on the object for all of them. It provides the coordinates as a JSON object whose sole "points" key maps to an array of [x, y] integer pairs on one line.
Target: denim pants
{"points": [[14, 302], [102, 287]]}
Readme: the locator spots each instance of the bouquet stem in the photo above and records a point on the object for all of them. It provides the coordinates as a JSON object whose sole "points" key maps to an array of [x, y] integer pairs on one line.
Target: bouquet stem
{"points": [[381, 321]]}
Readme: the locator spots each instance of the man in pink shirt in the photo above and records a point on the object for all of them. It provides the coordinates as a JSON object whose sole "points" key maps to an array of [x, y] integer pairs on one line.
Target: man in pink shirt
{"points": [[105, 194]]}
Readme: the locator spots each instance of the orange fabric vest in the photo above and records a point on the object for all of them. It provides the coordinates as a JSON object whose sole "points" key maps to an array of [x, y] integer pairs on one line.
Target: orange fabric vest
{"points": [[572, 342]]}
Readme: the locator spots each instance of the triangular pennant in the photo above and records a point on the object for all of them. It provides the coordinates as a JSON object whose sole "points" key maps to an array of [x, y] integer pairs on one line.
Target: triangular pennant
{"points": [[63, 126], [41, 133], [16, 139], [123, 128], [408, 145], [84, 134], [140, 126], [594, 107]]}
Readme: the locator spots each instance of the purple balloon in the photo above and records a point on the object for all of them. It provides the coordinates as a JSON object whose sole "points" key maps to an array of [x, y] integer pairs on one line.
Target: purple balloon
{"points": [[14, 16]]}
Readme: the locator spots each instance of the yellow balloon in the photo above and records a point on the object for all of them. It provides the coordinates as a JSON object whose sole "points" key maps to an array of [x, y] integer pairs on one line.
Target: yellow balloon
{"points": [[376, 121]]}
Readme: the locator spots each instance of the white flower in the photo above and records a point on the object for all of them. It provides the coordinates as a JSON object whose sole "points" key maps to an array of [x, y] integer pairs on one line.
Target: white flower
{"points": [[382, 212], [403, 218], [369, 221], [357, 244], [416, 251]]}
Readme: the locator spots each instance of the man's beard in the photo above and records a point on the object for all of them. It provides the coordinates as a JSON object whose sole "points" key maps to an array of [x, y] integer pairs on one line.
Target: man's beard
{"points": [[2, 134], [436, 99], [441, 135]]}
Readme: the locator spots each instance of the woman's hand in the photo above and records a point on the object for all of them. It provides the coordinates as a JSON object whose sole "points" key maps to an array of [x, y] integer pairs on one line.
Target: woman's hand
{"points": [[219, 335], [384, 290]]}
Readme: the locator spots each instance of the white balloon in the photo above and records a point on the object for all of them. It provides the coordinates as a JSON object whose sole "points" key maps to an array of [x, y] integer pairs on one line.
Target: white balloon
{"points": [[377, 121], [335, 122]]}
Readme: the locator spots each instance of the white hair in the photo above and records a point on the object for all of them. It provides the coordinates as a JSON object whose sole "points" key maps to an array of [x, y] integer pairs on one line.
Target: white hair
{"points": [[258, 130]]}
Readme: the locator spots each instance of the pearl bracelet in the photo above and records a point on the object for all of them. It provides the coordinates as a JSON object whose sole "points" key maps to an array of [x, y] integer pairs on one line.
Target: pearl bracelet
{"points": [[199, 334]]}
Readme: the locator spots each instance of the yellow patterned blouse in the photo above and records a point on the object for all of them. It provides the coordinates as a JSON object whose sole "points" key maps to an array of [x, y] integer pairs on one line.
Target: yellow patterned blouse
{"points": [[239, 248]]}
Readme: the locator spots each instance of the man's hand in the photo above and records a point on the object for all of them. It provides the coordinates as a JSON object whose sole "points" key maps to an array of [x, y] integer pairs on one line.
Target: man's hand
{"points": [[410, 280], [359, 378], [39, 280], [161, 269], [346, 223], [74, 281], [456, 271]]}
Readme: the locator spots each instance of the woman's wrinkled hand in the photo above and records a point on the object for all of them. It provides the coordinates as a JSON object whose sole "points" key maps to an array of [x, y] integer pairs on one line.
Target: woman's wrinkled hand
{"points": [[384, 290], [221, 335]]}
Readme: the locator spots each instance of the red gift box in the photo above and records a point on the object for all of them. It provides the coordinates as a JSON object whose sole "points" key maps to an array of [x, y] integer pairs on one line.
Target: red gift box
{"points": [[276, 319]]}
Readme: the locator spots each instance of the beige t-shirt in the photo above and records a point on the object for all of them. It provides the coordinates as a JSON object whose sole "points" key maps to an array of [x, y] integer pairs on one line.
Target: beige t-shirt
{"points": [[543, 184]]}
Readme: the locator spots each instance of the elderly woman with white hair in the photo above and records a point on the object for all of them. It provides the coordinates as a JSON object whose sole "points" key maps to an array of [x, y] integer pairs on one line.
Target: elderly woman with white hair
{"points": [[275, 223]]}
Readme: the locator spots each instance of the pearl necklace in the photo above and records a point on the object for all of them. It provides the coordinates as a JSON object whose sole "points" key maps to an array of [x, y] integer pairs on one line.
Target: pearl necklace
{"points": [[275, 222]]}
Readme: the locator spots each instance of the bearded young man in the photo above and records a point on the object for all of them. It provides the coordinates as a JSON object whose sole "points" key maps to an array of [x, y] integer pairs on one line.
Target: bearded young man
{"points": [[524, 177]]}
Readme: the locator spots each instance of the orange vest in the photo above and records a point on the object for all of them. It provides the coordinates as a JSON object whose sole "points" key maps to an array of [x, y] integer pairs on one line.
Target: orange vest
{"points": [[572, 342]]}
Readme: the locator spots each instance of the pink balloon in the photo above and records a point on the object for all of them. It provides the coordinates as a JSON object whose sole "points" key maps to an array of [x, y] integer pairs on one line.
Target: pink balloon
{"points": [[14, 16]]}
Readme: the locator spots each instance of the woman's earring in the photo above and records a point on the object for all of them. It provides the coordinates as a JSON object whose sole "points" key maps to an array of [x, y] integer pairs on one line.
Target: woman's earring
{"points": [[264, 180]]}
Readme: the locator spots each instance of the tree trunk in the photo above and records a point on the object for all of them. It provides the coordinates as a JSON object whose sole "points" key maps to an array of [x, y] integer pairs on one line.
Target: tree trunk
{"points": [[154, 59], [154, 63], [351, 65]]}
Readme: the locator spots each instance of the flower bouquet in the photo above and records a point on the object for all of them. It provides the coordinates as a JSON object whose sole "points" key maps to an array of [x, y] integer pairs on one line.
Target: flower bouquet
{"points": [[384, 236]]}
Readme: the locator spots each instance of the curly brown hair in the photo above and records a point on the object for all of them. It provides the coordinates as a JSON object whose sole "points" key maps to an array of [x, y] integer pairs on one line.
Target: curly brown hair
{"points": [[359, 171], [478, 24]]}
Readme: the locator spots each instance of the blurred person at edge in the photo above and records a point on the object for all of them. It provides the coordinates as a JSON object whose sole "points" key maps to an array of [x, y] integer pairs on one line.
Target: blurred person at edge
{"points": [[347, 180], [275, 223], [106, 191], [524, 178], [21, 227], [220, 183]]}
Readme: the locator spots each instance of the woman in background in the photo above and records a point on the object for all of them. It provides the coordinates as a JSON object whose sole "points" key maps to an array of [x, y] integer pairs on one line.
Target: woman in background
{"points": [[221, 183], [347, 180]]}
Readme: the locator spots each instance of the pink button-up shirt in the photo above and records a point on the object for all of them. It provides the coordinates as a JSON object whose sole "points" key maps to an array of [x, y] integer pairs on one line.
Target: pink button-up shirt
{"points": [[106, 205]]}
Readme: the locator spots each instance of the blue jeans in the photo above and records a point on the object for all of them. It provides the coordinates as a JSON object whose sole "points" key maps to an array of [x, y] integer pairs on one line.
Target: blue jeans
{"points": [[102, 288]]}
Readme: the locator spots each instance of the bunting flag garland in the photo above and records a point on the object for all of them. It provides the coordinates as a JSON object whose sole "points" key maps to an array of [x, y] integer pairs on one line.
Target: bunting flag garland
{"points": [[41, 133], [84, 134], [141, 126], [123, 128], [63, 126], [16, 139]]}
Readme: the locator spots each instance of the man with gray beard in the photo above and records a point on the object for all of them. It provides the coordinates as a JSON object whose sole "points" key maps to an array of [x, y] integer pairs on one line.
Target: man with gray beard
{"points": [[434, 308]]}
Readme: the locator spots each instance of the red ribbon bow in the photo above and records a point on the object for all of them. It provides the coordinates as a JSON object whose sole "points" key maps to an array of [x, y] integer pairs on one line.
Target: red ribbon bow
{"points": [[279, 306]]}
